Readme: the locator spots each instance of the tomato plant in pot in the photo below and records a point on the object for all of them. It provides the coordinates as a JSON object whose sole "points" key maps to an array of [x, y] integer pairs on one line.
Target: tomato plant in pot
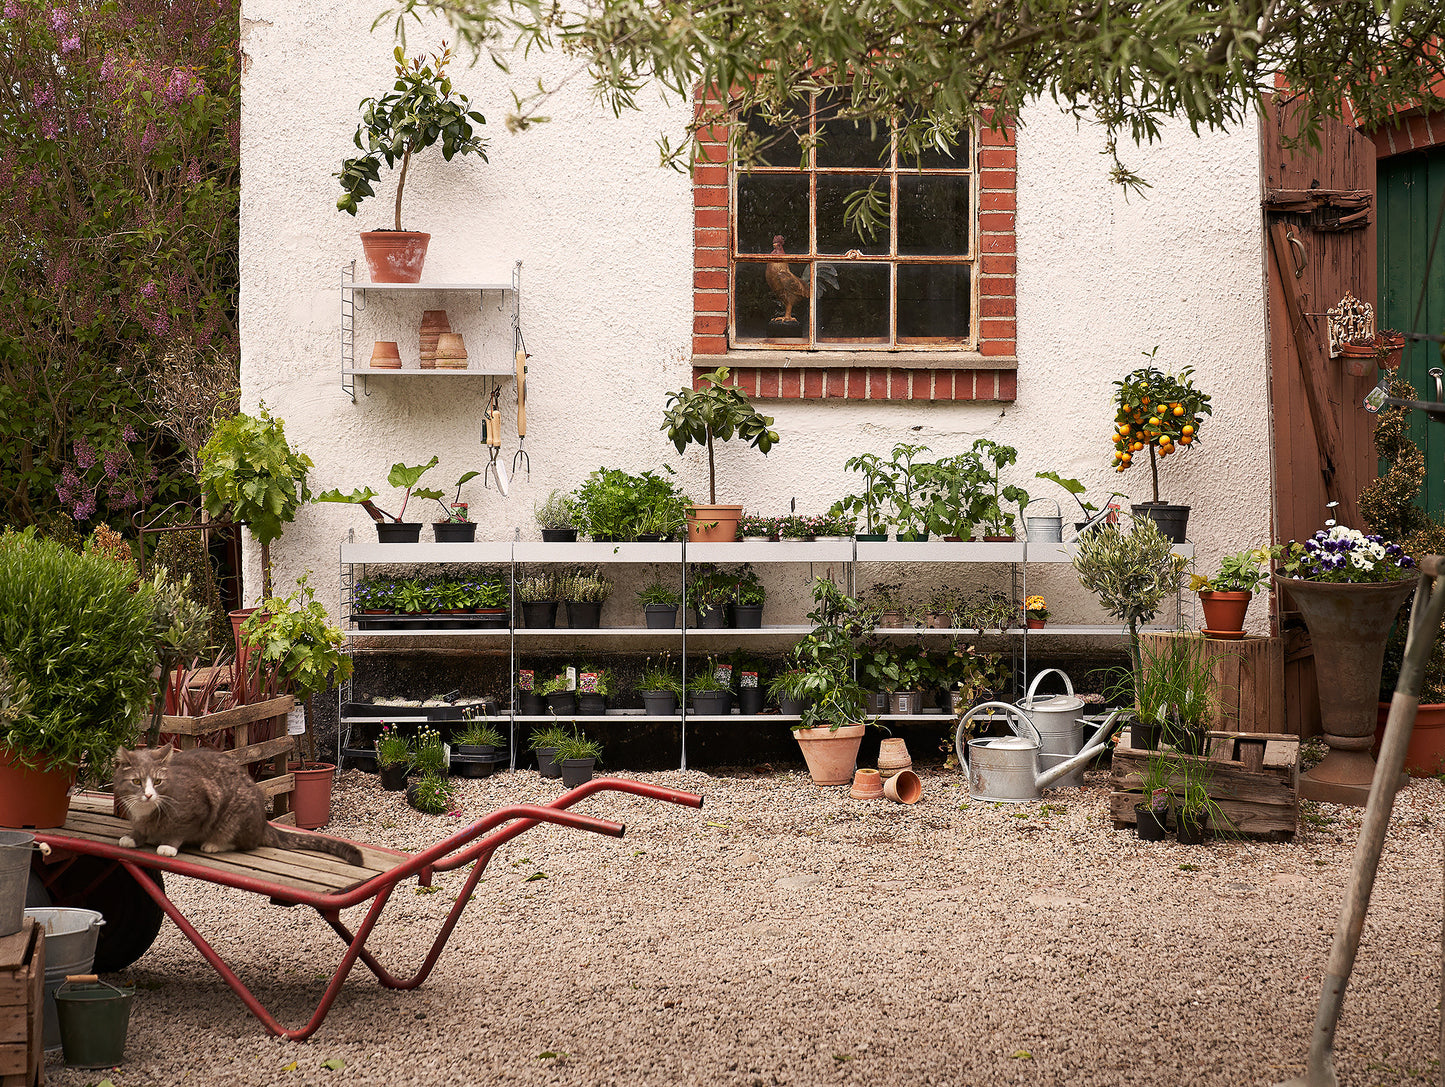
{"points": [[1225, 597], [879, 485], [710, 592], [717, 411], [915, 488], [958, 502], [421, 108], [993, 492], [1162, 413]]}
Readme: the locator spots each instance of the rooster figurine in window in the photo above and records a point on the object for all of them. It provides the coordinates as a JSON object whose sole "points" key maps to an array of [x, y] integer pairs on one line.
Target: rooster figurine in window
{"points": [[790, 290]]}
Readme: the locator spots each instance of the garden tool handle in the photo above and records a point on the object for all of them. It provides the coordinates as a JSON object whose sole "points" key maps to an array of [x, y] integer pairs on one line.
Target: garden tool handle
{"points": [[521, 393], [79, 978], [494, 428]]}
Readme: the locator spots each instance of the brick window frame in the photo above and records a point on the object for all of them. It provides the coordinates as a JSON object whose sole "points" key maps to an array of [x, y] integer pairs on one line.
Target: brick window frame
{"points": [[987, 373]]}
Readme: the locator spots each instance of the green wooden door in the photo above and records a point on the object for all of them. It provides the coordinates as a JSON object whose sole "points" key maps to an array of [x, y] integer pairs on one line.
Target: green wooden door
{"points": [[1411, 190]]}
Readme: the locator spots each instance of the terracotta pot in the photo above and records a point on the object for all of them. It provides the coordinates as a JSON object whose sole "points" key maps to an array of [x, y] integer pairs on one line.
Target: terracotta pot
{"points": [[451, 351], [1224, 612], [1035, 624], [830, 753], [1425, 757], [903, 787], [385, 355], [893, 757], [713, 524], [243, 653], [311, 802], [867, 785], [33, 799], [433, 323], [1359, 360], [394, 256], [1348, 625]]}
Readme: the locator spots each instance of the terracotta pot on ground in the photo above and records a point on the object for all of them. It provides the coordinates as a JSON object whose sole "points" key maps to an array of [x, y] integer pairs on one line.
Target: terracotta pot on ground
{"points": [[903, 787], [33, 799], [830, 753], [433, 323], [385, 355], [893, 757], [1425, 757], [713, 524], [311, 802], [867, 785], [451, 351], [394, 256], [1224, 612]]}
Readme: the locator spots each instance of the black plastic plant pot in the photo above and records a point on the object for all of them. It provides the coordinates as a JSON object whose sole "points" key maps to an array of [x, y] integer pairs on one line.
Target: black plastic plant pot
{"points": [[474, 751], [559, 535], [1191, 828], [491, 617], [659, 703], [584, 616], [912, 537], [1150, 825], [539, 614], [660, 616], [790, 706], [398, 532], [393, 778], [871, 537], [472, 768], [715, 618], [530, 704], [1145, 737], [747, 616], [562, 703], [751, 700], [547, 764], [577, 772], [712, 703], [1172, 520], [454, 531], [591, 705], [360, 758], [906, 703]]}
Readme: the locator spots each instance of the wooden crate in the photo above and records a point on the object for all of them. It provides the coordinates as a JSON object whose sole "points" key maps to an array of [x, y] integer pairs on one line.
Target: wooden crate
{"points": [[1249, 682], [1254, 780], [276, 781], [1301, 692], [22, 1007]]}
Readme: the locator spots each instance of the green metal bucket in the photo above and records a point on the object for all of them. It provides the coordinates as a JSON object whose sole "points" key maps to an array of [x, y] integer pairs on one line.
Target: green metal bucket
{"points": [[94, 1018]]}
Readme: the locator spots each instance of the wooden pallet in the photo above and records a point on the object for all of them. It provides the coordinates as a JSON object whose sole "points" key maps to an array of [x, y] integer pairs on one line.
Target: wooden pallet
{"points": [[22, 1007], [1254, 780], [276, 782], [1249, 690]]}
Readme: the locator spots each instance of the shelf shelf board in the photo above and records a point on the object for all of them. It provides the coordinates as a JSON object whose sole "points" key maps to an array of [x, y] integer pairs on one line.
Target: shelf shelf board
{"points": [[1092, 629], [469, 632], [484, 370], [1065, 552], [488, 551], [971, 631], [672, 634], [496, 285], [939, 551], [536, 551], [741, 551]]}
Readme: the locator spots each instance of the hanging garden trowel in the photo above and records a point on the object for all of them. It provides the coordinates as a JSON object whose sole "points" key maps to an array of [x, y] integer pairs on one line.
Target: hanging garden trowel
{"points": [[492, 439]]}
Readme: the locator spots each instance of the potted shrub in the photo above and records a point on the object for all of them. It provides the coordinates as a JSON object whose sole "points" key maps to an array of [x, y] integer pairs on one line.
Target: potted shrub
{"points": [[902, 672], [748, 597], [613, 505], [756, 529], [1162, 413], [584, 592], [711, 591], [421, 108], [544, 742], [394, 530], [475, 752], [1225, 597], [537, 594], [557, 518], [78, 639], [578, 757], [393, 759], [711, 697], [659, 605], [831, 725], [1036, 612], [560, 694], [594, 684], [432, 795], [717, 411], [456, 525], [660, 688]]}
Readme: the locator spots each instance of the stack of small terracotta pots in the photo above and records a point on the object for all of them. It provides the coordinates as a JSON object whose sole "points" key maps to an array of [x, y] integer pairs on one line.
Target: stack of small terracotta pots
{"points": [[385, 355], [433, 324], [893, 756], [867, 785], [451, 353]]}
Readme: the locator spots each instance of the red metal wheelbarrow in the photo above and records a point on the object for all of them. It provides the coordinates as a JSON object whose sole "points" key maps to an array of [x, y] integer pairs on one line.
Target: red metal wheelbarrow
{"points": [[87, 866]]}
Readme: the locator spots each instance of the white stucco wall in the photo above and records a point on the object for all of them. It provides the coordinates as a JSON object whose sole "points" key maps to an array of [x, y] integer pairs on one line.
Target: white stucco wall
{"points": [[605, 235]]}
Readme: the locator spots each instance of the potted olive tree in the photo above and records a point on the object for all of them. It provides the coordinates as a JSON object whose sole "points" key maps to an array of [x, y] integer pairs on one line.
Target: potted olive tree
{"points": [[421, 109], [716, 411]]}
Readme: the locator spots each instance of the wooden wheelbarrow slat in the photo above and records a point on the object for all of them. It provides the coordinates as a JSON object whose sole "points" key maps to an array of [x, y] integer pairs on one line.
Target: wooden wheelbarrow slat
{"points": [[295, 877]]}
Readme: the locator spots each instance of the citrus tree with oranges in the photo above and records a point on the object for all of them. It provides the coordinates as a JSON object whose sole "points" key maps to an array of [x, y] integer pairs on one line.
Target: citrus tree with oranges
{"points": [[1158, 412]]}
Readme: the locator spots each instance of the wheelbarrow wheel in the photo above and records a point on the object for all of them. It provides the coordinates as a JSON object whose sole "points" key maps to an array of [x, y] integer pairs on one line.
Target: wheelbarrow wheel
{"points": [[132, 917]]}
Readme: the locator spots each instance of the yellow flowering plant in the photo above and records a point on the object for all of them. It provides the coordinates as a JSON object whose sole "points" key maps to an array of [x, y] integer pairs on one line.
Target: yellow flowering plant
{"points": [[1036, 607]]}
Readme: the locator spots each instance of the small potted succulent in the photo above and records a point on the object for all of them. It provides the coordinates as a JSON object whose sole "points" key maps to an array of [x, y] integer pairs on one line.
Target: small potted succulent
{"points": [[456, 525], [537, 593], [660, 688], [584, 592], [659, 605], [594, 684], [389, 528], [544, 743], [578, 757], [1225, 597], [1036, 612], [557, 518], [560, 694], [393, 759], [421, 108], [756, 529], [748, 598]]}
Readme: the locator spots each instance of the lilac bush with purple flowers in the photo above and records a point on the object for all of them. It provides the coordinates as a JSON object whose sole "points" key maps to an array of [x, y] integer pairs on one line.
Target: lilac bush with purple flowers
{"points": [[1340, 554]]}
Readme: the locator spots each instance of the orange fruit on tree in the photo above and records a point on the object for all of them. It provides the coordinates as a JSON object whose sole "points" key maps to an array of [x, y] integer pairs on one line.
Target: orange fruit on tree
{"points": [[1153, 420], [1178, 410], [1186, 430], [1186, 440]]}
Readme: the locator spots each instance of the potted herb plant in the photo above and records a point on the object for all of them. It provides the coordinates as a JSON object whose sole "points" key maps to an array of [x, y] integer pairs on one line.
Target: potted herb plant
{"points": [[578, 757], [421, 108], [538, 596], [584, 592], [389, 529], [994, 457], [456, 525], [544, 743], [1225, 597], [903, 673], [594, 684], [710, 592], [756, 529], [486, 597], [748, 597], [557, 518], [660, 688], [560, 694], [710, 696], [716, 411], [1162, 413], [879, 484], [393, 759], [659, 605], [612, 505]]}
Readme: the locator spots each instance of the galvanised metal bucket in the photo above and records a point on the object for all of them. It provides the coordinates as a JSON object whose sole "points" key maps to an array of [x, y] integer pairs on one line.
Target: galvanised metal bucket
{"points": [[16, 848], [1046, 529], [1059, 721]]}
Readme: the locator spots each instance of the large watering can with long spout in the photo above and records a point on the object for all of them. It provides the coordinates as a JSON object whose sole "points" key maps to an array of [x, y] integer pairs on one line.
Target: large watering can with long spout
{"points": [[1006, 768]]}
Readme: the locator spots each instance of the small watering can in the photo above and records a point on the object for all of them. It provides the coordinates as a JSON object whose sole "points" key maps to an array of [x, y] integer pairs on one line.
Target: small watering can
{"points": [[1006, 768], [1059, 721], [1046, 529]]}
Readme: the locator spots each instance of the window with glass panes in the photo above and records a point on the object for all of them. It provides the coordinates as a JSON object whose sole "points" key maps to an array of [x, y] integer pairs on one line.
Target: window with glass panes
{"points": [[803, 276]]}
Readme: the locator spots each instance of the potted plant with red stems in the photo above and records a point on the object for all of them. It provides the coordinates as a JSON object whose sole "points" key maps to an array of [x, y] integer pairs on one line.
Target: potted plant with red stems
{"points": [[394, 530], [421, 109]]}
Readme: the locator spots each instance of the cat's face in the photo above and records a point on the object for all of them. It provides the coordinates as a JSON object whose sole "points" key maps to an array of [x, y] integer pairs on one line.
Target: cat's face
{"points": [[140, 778]]}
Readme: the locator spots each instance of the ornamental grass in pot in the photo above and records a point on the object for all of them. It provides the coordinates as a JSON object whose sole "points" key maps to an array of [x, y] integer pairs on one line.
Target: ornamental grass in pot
{"points": [[710, 696], [578, 757], [544, 743], [659, 605], [660, 687]]}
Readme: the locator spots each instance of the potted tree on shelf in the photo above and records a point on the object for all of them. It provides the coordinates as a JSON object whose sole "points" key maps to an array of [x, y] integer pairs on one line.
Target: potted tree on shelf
{"points": [[1225, 597], [1162, 413], [421, 109], [716, 411]]}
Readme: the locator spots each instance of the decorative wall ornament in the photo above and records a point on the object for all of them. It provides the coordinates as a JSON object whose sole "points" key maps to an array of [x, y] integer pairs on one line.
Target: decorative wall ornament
{"points": [[1348, 319]]}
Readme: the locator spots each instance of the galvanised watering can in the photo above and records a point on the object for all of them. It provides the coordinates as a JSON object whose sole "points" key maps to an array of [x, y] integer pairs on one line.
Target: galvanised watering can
{"points": [[1006, 768]]}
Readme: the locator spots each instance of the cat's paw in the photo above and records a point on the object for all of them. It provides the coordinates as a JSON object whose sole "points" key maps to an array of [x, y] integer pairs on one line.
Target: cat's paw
{"points": [[167, 850], [212, 847], [127, 842]]}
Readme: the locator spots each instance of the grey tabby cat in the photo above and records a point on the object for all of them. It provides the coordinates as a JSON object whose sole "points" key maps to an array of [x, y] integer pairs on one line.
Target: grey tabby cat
{"points": [[201, 797]]}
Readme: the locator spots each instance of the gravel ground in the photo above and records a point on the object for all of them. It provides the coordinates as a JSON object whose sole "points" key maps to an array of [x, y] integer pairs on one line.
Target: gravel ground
{"points": [[788, 935]]}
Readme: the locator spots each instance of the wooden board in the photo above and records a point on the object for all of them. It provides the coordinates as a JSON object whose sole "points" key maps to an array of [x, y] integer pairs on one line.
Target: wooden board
{"points": [[1249, 682], [210, 723], [1301, 692], [239, 721], [22, 993]]}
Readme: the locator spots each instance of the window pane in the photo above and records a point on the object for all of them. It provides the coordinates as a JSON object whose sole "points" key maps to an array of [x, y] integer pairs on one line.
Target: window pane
{"points": [[930, 158], [759, 306], [770, 204], [850, 142], [934, 301], [933, 214], [834, 236], [778, 143], [856, 308]]}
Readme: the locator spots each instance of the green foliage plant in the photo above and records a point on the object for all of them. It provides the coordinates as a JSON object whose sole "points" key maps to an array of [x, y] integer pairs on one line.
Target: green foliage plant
{"points": [[915, 488], [748, 590], [80, 637], [556, 685], [392, 748], [552, 736], [880, 481], [538, 588], [432, 795], [993, 458], [957, 495], [480, 734], [429, 754], [181, 626], [421, 109], [1175, 686], [1242, 572], [710, 587], [1076, 491], [402, 476], [717, 411], [659, 594], [612, 504], [1155, 780], [455, 513], [705, 681], [824, 658], [249, 472], [1156, 411], [295, 635], [559, 511], [577, 746]]}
